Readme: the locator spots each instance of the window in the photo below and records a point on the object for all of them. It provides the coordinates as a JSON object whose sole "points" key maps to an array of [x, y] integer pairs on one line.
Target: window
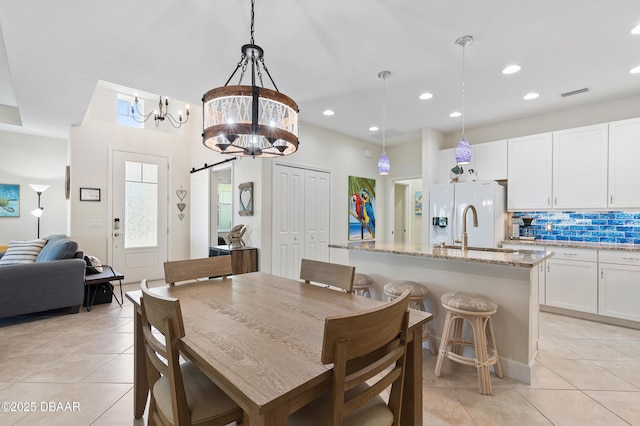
{"points": [[124, 116]]}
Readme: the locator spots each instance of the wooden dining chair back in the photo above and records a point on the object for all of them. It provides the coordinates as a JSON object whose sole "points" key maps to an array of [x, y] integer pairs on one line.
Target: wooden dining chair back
{"points": [[367, 350], [181, 394], [192, 269], [333, 274]]}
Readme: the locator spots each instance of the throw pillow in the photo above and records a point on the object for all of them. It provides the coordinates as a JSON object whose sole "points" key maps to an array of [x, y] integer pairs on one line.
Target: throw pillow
{"points": [[22, 252], [93, 265], [58, 248]]}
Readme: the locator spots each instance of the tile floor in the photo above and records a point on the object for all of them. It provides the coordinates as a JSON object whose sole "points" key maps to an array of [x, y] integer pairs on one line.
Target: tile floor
{"points": [[78, 370]]}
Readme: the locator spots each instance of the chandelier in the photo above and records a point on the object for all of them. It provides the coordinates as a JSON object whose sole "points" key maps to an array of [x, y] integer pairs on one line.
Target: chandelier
{"points": [[250, 121], [160, 114], [463, 150]]}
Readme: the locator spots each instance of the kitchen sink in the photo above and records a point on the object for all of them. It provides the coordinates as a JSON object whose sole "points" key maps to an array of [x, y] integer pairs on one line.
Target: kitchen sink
{"points": [[491, 249]]}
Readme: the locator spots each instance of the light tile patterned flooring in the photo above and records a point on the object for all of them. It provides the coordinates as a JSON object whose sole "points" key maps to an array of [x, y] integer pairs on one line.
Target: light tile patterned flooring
{"points": [[588, 374]]}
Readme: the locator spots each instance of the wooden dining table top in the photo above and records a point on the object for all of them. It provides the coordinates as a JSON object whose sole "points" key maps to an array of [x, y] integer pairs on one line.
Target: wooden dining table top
{"points": [[259, 336]]}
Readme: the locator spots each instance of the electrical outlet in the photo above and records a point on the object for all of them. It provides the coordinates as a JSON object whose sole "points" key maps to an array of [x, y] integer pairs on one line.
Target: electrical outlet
{"points": [[549, 226], [95, 223]]}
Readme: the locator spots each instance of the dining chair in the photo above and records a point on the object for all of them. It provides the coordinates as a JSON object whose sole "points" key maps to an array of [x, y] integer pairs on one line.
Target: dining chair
{"points": [[333, 274], [192, 269], [367, 350], [181, 394]]}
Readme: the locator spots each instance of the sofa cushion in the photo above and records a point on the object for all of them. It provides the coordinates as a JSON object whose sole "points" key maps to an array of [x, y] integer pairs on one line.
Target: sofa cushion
{"points": [[22, 252], [58, 248]]}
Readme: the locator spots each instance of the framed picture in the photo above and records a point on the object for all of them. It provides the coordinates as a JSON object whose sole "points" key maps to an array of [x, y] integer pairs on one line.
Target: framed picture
{"points": [[362, 207], [246, 199], [9, 200], [418, 203], [89, 194]]}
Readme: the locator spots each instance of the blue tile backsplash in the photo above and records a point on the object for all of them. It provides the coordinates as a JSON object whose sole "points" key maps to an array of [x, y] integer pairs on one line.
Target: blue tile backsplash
{"points": [[598, 227]]}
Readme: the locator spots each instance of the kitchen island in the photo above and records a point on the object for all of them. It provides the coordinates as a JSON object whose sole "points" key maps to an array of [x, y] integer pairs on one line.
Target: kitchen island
{"points": [[509, 277]]}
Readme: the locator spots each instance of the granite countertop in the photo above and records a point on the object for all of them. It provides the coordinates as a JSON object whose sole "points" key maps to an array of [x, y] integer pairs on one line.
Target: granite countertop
{"points": [[575, 244], [523, 259]]}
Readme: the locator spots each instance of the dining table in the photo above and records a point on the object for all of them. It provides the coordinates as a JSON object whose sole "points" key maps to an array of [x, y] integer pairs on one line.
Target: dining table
{"points": [[259, 337]]}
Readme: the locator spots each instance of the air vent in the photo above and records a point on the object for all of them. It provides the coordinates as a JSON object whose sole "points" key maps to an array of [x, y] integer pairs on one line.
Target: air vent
{"points": [[390, 133], [575, 92]]}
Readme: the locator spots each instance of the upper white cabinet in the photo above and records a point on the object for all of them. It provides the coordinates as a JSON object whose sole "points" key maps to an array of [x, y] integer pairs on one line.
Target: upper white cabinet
{"points": [[580, 167], [530, 172], [490, 160], [624, 149], [447, 161]]}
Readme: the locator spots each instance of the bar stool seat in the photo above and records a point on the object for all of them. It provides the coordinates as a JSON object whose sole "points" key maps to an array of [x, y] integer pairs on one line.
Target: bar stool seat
{"points": [[361, 284], [418, 293], [476, 310]]}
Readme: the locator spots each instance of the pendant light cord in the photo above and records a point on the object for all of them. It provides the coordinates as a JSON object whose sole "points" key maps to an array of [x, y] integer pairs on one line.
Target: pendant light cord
{"points": [[384, 112], [464, 44]]}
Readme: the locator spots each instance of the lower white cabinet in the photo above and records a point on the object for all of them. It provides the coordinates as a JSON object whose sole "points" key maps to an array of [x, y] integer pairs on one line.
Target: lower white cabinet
{"points": [[572, 280], [619, 289]]}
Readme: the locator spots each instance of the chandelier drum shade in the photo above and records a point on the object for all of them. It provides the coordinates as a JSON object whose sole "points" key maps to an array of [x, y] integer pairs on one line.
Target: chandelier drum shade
{"points": [[250, 121]]}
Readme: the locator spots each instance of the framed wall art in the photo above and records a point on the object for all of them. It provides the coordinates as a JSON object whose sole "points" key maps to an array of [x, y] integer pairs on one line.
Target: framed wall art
{"points": [[89, 194], [9, 200], [245, 199], [362, 207]]}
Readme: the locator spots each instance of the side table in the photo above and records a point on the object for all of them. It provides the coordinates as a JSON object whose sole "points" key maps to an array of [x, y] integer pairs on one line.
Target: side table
{"points": [[107, 275]]}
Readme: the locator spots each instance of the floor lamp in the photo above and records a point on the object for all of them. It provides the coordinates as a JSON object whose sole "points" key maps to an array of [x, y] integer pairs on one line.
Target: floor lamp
{"points": [[38, 212]]}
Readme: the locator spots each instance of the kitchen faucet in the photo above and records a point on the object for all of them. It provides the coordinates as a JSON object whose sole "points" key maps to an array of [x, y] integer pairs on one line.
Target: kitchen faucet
{"points": [[464, 240]]}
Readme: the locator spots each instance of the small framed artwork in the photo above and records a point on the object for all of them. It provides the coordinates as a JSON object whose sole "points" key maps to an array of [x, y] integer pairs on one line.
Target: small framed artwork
{"points": [[89, 194], [9, 200], [418, 203], [246, 199]]}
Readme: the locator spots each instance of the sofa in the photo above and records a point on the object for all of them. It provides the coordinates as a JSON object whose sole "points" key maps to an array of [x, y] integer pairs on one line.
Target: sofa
{"points": [[53, 280]]}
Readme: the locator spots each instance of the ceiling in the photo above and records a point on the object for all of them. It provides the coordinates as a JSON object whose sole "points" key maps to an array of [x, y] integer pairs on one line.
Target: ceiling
{"points": [[324, 54]]}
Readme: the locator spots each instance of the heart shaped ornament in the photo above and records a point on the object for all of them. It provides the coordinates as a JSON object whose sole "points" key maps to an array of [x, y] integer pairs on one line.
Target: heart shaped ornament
{"points": [[181, 193], [181, 206], [245, 199], [181, 216]]}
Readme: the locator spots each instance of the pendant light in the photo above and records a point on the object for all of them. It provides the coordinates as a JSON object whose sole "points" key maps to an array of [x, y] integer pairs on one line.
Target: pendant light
{"points": [[250, 121], [463, 150], [383, 161]]}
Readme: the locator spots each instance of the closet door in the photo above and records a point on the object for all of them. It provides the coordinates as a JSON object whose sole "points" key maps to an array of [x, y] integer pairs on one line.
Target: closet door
{"points": [[300, 218]]}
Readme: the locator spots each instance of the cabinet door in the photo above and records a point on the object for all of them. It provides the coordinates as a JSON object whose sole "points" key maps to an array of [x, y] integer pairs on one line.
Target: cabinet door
{"points": [[580, 167], [491, 160], [447, 161], [619, 291], [624, 149], [529, 172], [572, 285]]}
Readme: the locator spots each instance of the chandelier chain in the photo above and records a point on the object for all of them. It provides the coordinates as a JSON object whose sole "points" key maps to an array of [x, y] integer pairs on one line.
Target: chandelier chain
{"points": [[252, 20]]}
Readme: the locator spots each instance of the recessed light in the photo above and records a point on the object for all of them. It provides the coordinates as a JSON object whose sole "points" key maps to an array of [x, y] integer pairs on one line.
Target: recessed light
{"points": [[328, 112], [635, 70], [511, 69], [636, 30], [530, 96], [373, 129], [455, 114], [426, 95]]}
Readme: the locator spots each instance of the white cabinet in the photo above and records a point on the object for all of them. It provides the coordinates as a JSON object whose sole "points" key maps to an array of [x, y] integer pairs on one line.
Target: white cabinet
{"points": [[530, 172], [624, 150], [619, 289], [572, 279], [580, 167], [490, 160], [541, 268], [447, 161]]}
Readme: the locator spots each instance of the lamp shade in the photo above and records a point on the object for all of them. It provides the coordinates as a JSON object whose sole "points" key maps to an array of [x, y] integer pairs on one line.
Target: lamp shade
{"points": [[38, 188], [37, 212], [463, 152], [383, 164]]}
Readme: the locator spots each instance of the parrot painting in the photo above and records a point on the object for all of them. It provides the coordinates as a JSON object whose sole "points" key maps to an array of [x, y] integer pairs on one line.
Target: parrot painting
{"points": [[369, 216], [357, 201]]}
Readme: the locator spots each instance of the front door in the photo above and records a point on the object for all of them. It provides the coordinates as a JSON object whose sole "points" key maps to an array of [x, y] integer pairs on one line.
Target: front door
{"points": [[139, 215]]}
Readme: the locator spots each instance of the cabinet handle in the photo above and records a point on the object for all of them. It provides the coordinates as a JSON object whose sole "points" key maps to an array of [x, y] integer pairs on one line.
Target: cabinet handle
{"points": [[601, 272], [549, 200], [569, 254], [548, 267], [611, 199], [556, 200], [632, 259]]}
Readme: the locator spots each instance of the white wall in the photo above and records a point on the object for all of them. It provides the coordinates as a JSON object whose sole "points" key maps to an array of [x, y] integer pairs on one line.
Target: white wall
{"points": [[91, 145], [26, 159]]}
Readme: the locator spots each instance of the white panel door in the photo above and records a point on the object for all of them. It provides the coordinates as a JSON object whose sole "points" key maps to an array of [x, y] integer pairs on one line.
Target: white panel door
{"points": [[288, 220], [139, 210], [624, 151], [316, 215]]}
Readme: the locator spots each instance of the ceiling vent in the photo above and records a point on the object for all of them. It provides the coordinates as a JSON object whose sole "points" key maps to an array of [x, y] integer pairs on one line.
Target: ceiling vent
{"points": [[389, 134], [575, 92]]}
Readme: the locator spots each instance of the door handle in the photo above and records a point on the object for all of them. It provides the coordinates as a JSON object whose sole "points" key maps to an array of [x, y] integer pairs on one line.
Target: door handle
{"points": [[116, 234]]}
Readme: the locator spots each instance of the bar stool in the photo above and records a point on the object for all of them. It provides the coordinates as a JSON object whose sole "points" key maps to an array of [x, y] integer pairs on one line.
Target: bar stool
{"points": [[361, 284], [476, 310], [418, 293]]}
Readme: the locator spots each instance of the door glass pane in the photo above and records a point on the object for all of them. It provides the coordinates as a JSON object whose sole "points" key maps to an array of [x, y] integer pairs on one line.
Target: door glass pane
{"points": [[141, 205]]}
